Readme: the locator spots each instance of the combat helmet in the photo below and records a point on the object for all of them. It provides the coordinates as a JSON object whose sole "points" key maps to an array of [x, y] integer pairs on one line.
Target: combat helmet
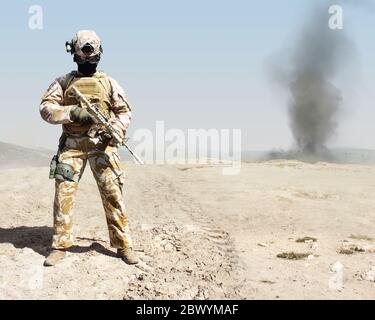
{"points": [[85, 46]]}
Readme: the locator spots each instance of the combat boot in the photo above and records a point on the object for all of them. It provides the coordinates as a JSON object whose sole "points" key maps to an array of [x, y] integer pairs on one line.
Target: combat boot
{"points": [[54, 257], [127, 255]]}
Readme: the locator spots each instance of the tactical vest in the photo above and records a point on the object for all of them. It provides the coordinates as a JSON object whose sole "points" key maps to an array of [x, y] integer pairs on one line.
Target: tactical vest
{"points": [[97, 89]]}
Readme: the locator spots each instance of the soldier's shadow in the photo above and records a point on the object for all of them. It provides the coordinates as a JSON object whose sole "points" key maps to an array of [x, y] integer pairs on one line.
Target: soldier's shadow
{"points": [[39, 238]]}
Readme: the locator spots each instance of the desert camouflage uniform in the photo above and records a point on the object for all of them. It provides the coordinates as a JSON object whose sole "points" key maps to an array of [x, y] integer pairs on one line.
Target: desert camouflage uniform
{"points": [[103, 159]]}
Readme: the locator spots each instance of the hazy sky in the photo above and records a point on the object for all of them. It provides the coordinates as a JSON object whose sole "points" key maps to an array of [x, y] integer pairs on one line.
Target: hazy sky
{"points": [[193, 64]]}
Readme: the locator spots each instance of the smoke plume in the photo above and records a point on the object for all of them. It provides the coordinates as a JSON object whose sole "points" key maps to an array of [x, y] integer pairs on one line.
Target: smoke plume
{"points": [[318, 56]]}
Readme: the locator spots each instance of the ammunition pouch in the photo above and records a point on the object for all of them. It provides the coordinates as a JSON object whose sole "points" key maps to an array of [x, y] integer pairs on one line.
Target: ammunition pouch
{"points": [[62, 171], [65, 172]]}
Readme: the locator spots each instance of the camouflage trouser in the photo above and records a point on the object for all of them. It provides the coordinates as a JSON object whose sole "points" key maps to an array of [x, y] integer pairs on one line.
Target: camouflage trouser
{"points": [[108, 172]]}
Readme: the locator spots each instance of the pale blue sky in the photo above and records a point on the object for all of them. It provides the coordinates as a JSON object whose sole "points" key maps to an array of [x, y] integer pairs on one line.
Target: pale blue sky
{"points": [[193, 64]]}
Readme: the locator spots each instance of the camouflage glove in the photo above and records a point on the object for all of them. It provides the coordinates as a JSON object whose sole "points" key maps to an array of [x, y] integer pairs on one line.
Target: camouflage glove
{"points": [[80, 115], [106, 136]]}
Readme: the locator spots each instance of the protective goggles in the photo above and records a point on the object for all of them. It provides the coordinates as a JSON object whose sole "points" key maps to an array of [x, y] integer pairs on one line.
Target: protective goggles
{"points": [[83, 59]]}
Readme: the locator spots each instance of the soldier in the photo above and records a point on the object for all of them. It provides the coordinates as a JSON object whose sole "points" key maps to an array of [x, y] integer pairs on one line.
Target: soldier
{"points": [[83, 141]]}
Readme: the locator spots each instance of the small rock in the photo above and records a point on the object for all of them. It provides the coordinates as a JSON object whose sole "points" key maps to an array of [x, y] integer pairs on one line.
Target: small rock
{"points": [[307, 240], [140, 277], [293, 255], [267, 281], [262, 244]]}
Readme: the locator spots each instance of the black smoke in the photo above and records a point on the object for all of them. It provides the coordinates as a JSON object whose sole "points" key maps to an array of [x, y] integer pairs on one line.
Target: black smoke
{"points": [[319, 54]]}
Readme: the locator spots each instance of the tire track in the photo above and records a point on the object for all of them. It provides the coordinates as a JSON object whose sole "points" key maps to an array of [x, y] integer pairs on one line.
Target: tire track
{"points": [[197, 260]]}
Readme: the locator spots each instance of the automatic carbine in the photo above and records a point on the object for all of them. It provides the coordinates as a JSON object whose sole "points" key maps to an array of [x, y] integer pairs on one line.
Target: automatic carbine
{"points": [[97, 114]]}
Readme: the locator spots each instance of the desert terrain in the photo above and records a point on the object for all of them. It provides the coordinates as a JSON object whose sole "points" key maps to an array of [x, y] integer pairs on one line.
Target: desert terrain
{"points": [[199, 234]]}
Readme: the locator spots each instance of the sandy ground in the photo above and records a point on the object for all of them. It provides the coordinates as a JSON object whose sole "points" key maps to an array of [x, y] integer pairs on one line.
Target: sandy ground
{"points": [[199, 234]]}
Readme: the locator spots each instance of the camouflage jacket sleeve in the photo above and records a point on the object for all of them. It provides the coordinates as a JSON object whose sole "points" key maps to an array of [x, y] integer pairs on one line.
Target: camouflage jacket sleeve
{"points": [[120, 105], [52, 107]]}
